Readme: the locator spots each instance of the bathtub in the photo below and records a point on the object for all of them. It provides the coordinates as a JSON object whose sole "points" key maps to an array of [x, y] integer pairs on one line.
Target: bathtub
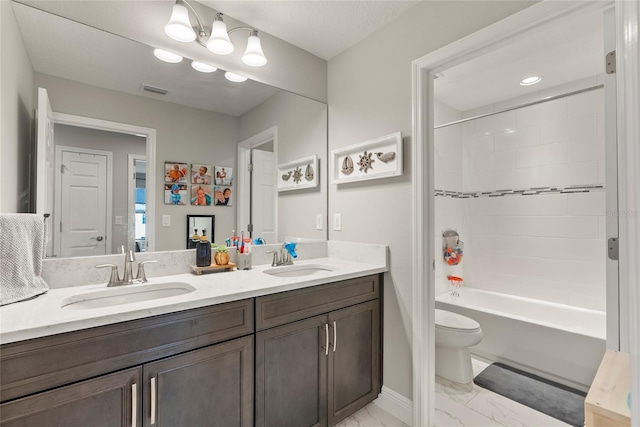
{"points": [[555, 341]]}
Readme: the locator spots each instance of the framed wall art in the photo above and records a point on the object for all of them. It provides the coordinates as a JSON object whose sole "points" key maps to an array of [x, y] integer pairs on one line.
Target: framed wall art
{"points": [[301, 173], [373, 159]]}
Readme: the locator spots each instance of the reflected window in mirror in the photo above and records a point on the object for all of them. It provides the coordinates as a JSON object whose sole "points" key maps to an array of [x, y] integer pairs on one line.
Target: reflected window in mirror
{"points": [[197, 225]]}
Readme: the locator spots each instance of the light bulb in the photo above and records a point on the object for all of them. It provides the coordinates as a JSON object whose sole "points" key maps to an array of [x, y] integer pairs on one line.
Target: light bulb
{"points": [[233, 77], [219, 41], [530, 80], [202, 67], [167, 56], [179, 27], [253, 55]]}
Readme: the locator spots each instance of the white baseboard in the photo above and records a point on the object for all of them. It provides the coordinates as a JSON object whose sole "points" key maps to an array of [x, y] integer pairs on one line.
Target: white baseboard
{"points": [[395, 404]]}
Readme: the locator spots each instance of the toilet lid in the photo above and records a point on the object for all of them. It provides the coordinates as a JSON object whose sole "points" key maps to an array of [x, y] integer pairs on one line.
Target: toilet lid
{"points": [[449, 320]]}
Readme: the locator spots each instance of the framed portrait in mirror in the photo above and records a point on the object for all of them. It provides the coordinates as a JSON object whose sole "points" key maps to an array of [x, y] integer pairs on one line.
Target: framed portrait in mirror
{"points": [[175, 194], [175, 172], [200, 195], [223, 175], [222, 195], [201, 174]]}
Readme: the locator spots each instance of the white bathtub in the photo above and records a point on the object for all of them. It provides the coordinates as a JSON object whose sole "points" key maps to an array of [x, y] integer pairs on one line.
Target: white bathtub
{"points": [[556, 341]]}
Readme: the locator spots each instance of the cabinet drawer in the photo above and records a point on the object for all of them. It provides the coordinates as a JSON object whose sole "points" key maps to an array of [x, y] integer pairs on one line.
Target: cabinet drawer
{"points": [[285, 307], [43, 363]]}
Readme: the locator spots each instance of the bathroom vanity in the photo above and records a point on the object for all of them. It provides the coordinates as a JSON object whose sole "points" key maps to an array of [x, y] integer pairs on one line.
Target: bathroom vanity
{"points": [[290, 351]]}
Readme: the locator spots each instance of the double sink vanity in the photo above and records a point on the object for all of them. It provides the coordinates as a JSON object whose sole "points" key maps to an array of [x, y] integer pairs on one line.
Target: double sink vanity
{"points": [[292, 346]]}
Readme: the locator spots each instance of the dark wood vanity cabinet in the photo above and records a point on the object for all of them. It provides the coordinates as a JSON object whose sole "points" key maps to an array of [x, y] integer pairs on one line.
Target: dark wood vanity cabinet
{"points": [[316, 356], [316, 371]]}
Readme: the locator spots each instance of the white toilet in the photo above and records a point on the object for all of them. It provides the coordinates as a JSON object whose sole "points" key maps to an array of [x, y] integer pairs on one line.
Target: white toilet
{"points": [[455, 333]]}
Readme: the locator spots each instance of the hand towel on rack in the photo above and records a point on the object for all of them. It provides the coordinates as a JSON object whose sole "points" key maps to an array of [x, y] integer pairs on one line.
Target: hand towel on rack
{"points": [[21, 249]]}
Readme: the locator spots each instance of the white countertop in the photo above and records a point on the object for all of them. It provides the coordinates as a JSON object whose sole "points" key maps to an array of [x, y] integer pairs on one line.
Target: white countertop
{"points": [[44, 314]]}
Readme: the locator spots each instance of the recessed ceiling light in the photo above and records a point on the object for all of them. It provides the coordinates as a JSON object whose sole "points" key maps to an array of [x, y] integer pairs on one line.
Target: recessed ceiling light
{"points": [[202, 67], [167, 56], [528, 81], [234, 77]]}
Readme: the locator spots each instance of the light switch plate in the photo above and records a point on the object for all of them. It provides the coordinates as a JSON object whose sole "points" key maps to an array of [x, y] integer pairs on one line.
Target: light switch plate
{"points": [[166, 220], [118, 219], [337, 222], [319, 225]]}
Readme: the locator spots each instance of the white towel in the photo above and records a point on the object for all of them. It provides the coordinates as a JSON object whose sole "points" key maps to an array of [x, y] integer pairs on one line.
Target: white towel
{"points": [[21, 248]]}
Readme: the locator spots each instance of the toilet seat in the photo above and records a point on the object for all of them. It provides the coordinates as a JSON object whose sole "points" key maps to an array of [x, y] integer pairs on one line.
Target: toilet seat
{"points": [[448, 320]]}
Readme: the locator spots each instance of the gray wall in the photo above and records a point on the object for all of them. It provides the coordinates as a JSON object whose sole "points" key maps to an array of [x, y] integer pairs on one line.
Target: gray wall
{"points": [[121, 145], [370, 96], [302, 132], [183, 134], [16, 114]]}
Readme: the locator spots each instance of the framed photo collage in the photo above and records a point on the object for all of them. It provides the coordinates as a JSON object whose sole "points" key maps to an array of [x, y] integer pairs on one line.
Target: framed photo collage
{"points": [[198, 185]]}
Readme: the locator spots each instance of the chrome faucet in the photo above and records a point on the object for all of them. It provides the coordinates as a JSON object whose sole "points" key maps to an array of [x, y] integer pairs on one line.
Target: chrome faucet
{"points": [[128, 279], [283, 256]]}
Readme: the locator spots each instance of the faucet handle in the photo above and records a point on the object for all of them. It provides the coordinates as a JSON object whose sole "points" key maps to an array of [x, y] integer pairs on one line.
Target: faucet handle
{"points": [[113, 278], [141, 276], [276, 259], [130, 256]]}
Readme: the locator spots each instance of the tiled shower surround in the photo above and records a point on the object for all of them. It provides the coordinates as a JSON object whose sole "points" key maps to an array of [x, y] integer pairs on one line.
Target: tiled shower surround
{"points": [[525, 190]]}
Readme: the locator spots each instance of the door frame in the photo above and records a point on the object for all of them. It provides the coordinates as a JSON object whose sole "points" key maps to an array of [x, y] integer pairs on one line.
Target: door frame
{"points": [[57, 247], [424, 70], [150, 134], [243, 176], [131, 196]]}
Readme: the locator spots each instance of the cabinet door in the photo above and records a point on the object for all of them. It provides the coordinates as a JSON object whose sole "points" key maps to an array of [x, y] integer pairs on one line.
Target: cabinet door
{"points": [[212, 387], [354, 359], [291, 381], [107, 401]]}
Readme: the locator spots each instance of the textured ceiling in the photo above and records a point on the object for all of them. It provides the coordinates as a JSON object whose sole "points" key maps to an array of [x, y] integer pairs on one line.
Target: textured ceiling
{"points": [[324, 28]]}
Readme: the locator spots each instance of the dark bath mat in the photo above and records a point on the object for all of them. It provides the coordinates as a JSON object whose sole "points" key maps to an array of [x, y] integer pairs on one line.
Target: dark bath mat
{"points": [[556, 400]]}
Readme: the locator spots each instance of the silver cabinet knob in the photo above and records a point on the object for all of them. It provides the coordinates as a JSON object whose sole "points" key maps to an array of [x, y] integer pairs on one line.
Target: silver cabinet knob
{"points": [[99, 238]]}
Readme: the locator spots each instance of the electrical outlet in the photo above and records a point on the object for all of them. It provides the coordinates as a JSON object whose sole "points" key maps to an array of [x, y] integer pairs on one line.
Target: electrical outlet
{"points": [[319, 225], [166, 220], [337, 221]]}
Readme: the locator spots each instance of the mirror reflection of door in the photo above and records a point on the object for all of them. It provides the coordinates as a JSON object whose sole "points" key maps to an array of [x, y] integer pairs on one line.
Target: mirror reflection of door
{"points": [[92, 218], [137, 203], [263, 193]]}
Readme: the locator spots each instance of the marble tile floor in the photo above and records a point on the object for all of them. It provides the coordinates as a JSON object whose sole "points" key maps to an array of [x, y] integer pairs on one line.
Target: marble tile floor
{"points": [[462, 405]]}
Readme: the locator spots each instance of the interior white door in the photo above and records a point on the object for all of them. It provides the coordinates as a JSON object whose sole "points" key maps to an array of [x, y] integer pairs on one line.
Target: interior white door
{"points": [[44, 161], [264, 196], [83, 213]]}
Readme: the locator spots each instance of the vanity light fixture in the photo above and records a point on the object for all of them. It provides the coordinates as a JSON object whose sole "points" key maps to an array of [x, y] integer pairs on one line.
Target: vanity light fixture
{"points": [[202, 67], [179, 28], [166, 56], [528, 81], [233, 77]]}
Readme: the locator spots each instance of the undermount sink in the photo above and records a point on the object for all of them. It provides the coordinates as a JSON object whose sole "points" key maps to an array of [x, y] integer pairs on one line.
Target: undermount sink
{"points": [[298, 270], [126, 294]]}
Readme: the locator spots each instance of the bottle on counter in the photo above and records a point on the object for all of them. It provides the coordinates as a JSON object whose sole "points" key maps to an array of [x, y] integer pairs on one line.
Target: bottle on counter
{"points": [[203, 251]]}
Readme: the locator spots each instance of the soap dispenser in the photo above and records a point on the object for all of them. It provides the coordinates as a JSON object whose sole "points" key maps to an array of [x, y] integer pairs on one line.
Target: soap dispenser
{"points": [[203, 251]]}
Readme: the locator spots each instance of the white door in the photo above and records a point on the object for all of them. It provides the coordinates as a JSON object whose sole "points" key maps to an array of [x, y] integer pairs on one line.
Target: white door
{"points": [[84, 202], [44, 162], [264, 196]]}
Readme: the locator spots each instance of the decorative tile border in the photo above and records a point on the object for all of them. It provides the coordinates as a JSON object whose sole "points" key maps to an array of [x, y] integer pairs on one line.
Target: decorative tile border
{"points": [[520, 192]]}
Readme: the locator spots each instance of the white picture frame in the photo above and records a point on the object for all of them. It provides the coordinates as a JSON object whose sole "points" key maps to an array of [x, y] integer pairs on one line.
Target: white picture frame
{"points": [[298, 174], [373, 159]]}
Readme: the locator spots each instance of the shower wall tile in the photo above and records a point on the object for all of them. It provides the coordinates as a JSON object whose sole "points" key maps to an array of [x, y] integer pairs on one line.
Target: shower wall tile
{"points": [[547, 246], [542, 113], [572, 128]]}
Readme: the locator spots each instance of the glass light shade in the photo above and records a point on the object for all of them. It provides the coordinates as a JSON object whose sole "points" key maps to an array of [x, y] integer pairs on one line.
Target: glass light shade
{"points": [[219, 41], [179, 27], [253, 55], [167, 56], [202, 67], [233, 77]]}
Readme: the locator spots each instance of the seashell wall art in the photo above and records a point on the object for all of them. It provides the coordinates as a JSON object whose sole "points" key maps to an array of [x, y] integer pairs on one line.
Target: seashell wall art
{"points": [[298, 174], [373, 159]]}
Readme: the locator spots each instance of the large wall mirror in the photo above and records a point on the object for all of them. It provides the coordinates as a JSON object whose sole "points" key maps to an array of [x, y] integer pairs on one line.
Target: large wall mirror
{"points": [[109, 121]]}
